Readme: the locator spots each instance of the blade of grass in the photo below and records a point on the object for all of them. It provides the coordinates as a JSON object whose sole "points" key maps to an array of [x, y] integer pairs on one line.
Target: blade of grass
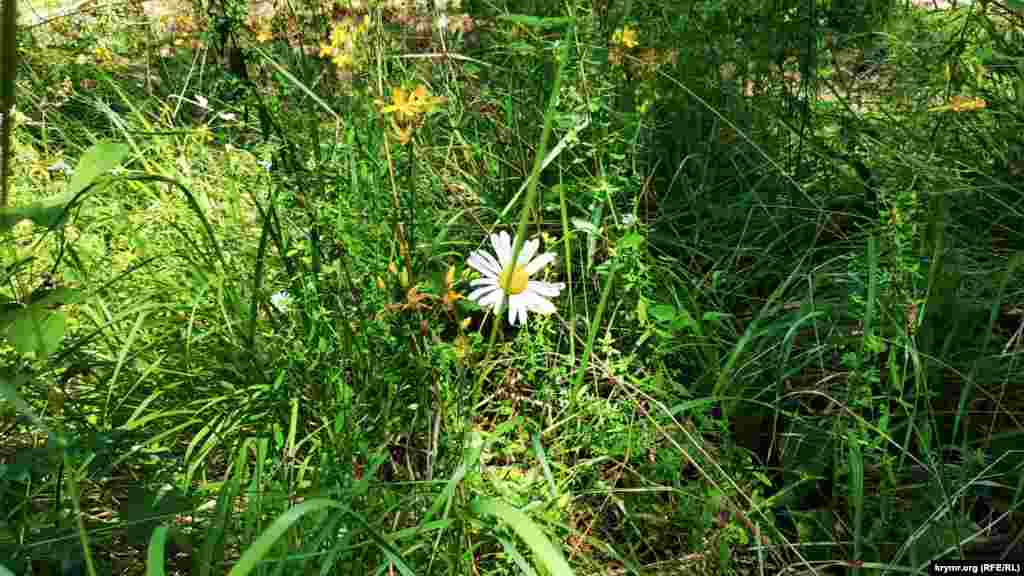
{"points": [[968, 388], [83, 536], [567, 239], [545, 552], [595, 325], [539, 449], [155, 552], [121, 358], [259, 549]]}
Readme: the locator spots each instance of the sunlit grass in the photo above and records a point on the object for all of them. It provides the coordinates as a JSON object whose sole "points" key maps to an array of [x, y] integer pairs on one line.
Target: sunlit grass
{"points": [[780, 319]]}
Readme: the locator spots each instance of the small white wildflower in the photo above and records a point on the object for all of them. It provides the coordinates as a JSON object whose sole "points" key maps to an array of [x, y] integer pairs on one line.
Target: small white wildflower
{"points": [[228, 116], [501, 276], [59, 166], [281, 300]]}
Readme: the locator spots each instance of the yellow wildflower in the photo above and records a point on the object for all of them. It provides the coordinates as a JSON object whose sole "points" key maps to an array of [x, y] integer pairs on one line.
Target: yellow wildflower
{"points": [[343, 60], [626, 36], [423, 101], [264, 35], [103, 54], [402, 105]]}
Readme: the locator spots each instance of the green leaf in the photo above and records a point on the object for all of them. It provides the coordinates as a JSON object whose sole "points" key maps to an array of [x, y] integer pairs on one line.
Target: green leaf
{"points": [[715, 316], [36, 330], [632, 241], [663, 312], [545, 552], [99, 159], [682, 321]]}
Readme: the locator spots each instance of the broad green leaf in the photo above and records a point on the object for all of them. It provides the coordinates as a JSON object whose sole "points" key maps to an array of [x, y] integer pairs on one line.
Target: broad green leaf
{"points": [[99, 159], [545, 552], [632, 240], [36, 330], [47, 213]]}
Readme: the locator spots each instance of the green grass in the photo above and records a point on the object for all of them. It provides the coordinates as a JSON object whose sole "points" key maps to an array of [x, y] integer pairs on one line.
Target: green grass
{"points": [[235, 338]]}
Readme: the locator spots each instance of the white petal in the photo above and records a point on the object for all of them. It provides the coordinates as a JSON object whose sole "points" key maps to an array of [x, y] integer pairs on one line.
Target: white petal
{"points": [[480, 262], [502, 247], [476, 263], [539, 262], [537, 303], [516, 308], [548, 289], [491, 298], [480, 294], [492, 263], [485, 281], [507, 242], [529, 249]]}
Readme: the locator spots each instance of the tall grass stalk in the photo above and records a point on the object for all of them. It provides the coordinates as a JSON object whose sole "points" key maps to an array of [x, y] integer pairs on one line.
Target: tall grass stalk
{"points": [[524, 213], [83, 537], [567, 245]]}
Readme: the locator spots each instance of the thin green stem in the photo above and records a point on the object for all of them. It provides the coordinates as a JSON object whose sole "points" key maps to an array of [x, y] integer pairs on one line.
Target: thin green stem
{"points": [[567, 236], [90, 566], [577, 382]]}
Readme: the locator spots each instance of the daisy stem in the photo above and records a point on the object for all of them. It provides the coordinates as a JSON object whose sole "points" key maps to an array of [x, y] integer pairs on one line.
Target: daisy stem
{"points": [[524, 213]]}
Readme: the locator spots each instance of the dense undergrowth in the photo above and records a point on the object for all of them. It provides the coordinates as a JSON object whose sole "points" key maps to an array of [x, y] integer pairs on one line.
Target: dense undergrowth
{"points": [[236, 333]]}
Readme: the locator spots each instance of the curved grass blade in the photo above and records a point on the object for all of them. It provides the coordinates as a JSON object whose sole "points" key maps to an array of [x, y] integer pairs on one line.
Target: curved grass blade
{"points": [[545, 552], [261, 547]]}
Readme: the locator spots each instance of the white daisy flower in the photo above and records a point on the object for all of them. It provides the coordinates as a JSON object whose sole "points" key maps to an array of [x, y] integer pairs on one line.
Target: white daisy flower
{"points": [[500, 277], [281, 300]]}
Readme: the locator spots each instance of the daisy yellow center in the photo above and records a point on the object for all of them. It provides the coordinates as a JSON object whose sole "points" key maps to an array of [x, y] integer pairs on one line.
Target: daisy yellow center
{"points": [[514, 280]]}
